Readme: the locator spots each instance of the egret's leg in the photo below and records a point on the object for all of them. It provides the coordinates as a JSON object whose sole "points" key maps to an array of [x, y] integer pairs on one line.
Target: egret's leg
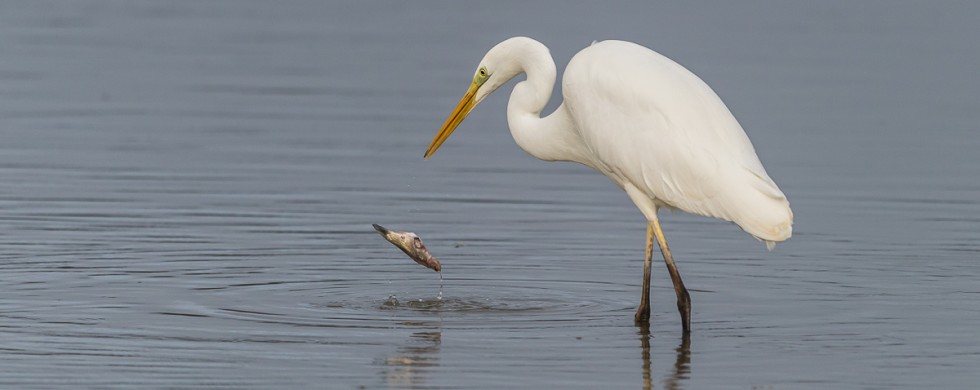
{"points": [[683, 298], [643, 312]]}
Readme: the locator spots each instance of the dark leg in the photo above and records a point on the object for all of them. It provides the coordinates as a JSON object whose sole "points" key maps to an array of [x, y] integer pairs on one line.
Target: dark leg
{"points": [[683, 298], [643, 312]]}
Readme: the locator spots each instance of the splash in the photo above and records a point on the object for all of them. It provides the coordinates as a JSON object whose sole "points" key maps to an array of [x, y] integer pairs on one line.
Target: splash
{"points": [[440, 286], [390, 303]]}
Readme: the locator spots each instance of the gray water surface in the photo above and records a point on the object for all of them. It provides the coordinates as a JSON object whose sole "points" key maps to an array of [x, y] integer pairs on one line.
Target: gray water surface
{"points": [[188, 190]]}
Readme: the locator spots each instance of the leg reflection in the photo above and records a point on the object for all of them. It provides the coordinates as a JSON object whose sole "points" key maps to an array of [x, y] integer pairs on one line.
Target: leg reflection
{"points": [[682, 364], [682, 360], [645, 352]]}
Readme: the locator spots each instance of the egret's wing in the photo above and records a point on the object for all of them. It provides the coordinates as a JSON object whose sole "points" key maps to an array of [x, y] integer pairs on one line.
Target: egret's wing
{"points": [[650, 122]]}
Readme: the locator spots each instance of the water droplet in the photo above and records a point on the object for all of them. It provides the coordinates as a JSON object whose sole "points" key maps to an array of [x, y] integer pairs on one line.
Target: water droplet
{"points": [[391, 302], [440, 286]]}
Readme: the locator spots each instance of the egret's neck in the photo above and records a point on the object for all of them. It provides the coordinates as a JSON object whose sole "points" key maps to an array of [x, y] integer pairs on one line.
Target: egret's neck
{"points": [[553, 137]]}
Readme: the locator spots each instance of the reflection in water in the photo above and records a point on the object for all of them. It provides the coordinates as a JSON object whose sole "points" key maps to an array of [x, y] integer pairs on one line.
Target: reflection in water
{"points": [[682, 363], [645, 352], [412, 364]]}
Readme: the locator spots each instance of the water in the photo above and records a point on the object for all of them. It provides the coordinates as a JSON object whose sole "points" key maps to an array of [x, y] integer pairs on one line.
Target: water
{"points": [[189, 187]]}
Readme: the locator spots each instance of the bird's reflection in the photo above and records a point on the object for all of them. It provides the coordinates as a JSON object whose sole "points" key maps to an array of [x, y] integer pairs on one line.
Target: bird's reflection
{"points": [[414, 361], [682, 361], [682, 364], [645, 352]]}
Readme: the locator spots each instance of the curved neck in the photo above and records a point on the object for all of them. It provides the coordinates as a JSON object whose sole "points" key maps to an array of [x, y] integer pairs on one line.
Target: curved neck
{"points": [[553, 137]]}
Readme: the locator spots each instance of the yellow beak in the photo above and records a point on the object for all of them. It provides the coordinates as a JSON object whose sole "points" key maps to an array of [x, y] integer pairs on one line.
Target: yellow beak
{"points": [[462, 110]]}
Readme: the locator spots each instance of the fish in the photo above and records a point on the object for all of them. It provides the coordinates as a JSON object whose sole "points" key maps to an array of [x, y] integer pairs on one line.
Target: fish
{"points": [[412, 245]]}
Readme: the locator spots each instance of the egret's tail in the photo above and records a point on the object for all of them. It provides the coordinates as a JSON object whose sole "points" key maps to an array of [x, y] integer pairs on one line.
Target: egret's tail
{"points": [[763, 210]]}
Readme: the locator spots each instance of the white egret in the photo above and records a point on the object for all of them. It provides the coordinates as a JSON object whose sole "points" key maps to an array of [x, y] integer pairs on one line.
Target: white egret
{"points": [[650, 125]]}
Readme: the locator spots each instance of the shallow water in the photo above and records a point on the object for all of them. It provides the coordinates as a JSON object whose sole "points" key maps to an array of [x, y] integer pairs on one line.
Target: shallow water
{"points": [[189, 190]]}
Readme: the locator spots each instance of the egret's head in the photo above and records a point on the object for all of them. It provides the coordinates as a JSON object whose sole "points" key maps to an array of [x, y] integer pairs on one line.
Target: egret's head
{"points": [[497, 67]]}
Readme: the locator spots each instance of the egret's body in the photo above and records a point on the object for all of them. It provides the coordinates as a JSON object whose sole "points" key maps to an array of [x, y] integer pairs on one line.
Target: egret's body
{"points": [[650, 125]]}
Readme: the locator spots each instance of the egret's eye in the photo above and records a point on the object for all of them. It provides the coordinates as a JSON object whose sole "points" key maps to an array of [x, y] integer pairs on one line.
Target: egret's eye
{"points": [[482, 76], [418, 242]]}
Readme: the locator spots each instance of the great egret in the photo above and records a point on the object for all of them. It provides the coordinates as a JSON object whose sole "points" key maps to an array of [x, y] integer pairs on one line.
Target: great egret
{"points": [[650, 125]]}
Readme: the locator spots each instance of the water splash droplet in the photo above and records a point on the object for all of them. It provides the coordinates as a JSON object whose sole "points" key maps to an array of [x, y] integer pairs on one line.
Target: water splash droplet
{"points": [[390, 303], [440, 286]]}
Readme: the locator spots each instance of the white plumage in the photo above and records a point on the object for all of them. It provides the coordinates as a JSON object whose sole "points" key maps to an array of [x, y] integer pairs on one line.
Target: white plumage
{"points": [[652, 123], [644, 121]]}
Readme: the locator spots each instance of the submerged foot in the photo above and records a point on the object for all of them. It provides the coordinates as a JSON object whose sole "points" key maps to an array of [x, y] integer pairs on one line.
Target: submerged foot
{"points": [[642, 317], [684, 307]]}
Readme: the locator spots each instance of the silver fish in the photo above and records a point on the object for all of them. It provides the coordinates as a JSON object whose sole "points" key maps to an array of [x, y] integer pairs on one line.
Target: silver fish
{"points": [[412, 245]]}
